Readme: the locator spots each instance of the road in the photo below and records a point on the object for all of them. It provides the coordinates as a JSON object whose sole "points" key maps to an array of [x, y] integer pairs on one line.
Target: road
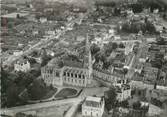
{"points": [[73, 109], [130, 73], [135, 61], [12, 111], [42, 43]]}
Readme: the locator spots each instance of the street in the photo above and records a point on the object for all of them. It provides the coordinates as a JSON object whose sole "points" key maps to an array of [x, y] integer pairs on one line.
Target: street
{"points": [[32, 107]]}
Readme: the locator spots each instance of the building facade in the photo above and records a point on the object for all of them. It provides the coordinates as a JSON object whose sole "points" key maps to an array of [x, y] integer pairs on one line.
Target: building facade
{"points": [[106, 76], [123, 90], [52, 75], [66, 76], [93, 107]]}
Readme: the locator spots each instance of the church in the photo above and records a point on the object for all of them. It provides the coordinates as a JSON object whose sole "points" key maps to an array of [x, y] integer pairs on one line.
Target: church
{"points": [[72, 73]]}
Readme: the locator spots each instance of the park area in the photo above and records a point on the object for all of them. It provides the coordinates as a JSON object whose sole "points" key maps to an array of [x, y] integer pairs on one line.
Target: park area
{"points": [[66, 92]]}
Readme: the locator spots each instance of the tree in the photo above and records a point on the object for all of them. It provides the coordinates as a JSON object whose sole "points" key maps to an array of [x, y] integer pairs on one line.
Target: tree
{"points": [[110, 98], [137, 8], [60, 64], [94, 49], [32, 61], [20, 115], [100, 56], [126, 27], [136, 105], [121, 45], [24, 79], [23, 115], [160, 41], [114, 46], [106, 64], [35, 73], [12, 95], [45, 60], [125, 103], [135, 50], [125, 71], [150, 27], [37, 90], [110, 47], [18, 16]]}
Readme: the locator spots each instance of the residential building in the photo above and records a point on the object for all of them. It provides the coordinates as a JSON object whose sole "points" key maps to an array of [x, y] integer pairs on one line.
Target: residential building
{"points": [[22, 65], [140, 111], [35, 32], [50, 32], [150, 74], [128, 47], [43, 19], [106, 76], [93, 106], [17, 52], [123, 90], [158, 94]]}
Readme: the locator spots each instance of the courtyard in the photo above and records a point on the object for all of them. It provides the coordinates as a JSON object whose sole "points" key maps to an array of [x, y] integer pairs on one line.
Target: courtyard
{"points": [[66, 92]]}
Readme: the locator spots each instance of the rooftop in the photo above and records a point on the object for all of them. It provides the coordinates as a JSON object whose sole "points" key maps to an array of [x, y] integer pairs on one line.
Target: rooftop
{"points": [[93, 101], [74, 70], [71, 63], [122, 87], [22, 61]]}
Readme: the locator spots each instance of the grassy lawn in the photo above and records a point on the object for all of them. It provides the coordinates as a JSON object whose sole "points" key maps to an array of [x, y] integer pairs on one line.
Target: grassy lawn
{"points": [[66, 92], [49, 94]]}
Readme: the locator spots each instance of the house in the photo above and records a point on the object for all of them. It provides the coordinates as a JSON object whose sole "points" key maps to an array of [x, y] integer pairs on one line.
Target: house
{"points": [[150, 74], [123, 90], [165, 56], [128, 47], [17, 52], [93, 106], [43, 19], [158, 94], [35, 32], [22, 65], [50, 32], [143, 54], [140, 111], [139, 68]]}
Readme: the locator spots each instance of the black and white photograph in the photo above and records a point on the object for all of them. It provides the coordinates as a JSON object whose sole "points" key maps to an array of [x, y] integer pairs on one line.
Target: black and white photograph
{"points": [[83, 58]]}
